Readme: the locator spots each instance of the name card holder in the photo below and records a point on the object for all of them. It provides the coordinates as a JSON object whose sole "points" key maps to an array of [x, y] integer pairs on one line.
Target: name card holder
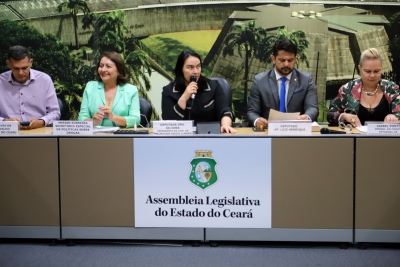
{"points": [[382, 128], [9, 127], [73, 127], [173, 127], [289, 127]]}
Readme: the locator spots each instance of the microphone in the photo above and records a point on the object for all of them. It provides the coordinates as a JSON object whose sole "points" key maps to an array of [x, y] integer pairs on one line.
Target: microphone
{"points": [[193, 79], [328, 131], [135, 130]]}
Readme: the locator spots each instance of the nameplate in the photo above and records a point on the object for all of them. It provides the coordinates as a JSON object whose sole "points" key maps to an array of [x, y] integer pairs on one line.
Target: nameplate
{"points": [[173, 127], [296, 127], [383, 128], [73, 127], [9, 127]]}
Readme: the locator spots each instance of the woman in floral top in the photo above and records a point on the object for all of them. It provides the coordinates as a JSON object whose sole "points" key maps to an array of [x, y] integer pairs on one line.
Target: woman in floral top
{"points": [[369, 98]]}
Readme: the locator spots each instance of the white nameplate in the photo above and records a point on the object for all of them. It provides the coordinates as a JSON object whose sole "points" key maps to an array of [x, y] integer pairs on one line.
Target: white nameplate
{"points": [[72, 127], [173, 127], [296, 127], [9, 127], [383, 128]]}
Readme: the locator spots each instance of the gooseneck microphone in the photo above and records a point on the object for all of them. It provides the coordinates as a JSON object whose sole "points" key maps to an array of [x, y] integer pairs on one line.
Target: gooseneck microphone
{"points": [[193, 79], [329, 131]]}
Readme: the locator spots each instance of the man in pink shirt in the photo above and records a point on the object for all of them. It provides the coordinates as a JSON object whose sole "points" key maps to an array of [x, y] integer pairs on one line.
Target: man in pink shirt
{"points": [[27, 95]]}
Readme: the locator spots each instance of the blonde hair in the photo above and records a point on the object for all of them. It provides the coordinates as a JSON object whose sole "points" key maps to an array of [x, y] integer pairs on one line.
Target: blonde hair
{"points": [[370, 53]]}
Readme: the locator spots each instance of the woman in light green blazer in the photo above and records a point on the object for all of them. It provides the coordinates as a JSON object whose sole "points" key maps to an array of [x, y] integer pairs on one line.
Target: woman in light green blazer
{"points": [[111, 100]]}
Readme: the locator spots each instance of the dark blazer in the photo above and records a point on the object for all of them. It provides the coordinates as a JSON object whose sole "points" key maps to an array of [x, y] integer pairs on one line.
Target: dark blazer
{"points": [[264, 95], [210, 104]]}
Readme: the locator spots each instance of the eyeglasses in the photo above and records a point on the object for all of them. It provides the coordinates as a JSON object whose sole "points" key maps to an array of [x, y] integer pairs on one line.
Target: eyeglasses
{"points": [[345, 126]]}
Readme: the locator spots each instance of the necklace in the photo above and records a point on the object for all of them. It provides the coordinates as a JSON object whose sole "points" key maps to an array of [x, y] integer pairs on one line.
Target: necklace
{"points": [[370, 93], [369, 108], [109, 101], [109, 95]]}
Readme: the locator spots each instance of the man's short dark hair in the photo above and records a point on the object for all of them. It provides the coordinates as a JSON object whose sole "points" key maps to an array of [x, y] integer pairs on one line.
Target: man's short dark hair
{"points": [[286, 45], [18, 52]]}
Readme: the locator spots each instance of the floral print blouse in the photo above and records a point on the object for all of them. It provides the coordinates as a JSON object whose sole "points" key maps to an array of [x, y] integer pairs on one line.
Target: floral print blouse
{"points": [[348, 99]]}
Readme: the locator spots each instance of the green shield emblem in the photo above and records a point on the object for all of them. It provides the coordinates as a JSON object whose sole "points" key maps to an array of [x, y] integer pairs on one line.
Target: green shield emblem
{"points": [[203, 173]]}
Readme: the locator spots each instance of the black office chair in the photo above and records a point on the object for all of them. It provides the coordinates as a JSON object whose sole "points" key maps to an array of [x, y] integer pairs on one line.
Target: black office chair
{"points": [[63, 109], [225, 87], [145, 111], [228, 92]]}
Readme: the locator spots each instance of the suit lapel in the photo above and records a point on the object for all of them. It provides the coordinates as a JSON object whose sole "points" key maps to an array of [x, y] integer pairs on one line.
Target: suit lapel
{"points": [[118, 96], [292, 87], [274, 89], [101, 93], [353, 102]]}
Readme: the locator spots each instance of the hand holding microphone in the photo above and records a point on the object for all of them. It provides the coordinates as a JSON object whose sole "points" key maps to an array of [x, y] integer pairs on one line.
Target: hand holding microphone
{"points": [[193, 79]]}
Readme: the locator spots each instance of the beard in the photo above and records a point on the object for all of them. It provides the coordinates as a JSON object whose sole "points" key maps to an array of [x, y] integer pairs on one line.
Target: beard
{"points": [[284, 71]]}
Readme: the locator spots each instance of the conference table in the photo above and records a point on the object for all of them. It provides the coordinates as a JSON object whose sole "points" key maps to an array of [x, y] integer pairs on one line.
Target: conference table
{"points": [[333, 188]]}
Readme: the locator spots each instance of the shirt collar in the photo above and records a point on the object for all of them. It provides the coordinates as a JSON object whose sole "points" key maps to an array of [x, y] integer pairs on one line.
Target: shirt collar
{"points": [[278, 76], [32, 77], [100, 85]]}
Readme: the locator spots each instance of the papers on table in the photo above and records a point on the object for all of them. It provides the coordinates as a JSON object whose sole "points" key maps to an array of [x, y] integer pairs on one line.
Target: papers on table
{"points": [[362, 129], [275, 115], [315, 127], [105, 129]]}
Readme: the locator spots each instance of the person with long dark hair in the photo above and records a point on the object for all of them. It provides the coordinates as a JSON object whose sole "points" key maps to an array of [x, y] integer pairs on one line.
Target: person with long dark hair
{"points": [[111, 100], [199, 99]]}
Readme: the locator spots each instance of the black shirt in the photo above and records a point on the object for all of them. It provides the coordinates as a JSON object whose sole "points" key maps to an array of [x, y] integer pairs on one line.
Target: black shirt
{"points": [[375, 114]]}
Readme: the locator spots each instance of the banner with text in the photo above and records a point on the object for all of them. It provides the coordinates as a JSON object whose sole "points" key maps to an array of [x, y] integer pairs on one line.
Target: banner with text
{"points": [[202, 182]]}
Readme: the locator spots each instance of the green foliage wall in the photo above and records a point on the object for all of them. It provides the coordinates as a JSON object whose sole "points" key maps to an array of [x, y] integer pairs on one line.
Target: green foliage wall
{"points": [[51, 56]]}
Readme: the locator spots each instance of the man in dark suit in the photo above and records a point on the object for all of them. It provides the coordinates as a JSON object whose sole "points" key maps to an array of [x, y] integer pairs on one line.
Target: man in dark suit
{"points": [[282, 88]]}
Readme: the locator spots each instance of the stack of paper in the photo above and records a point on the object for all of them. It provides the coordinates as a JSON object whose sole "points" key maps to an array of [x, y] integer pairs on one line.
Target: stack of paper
{"points": [[315, 127], [105, 129], [275, 115], [363, 129]]}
